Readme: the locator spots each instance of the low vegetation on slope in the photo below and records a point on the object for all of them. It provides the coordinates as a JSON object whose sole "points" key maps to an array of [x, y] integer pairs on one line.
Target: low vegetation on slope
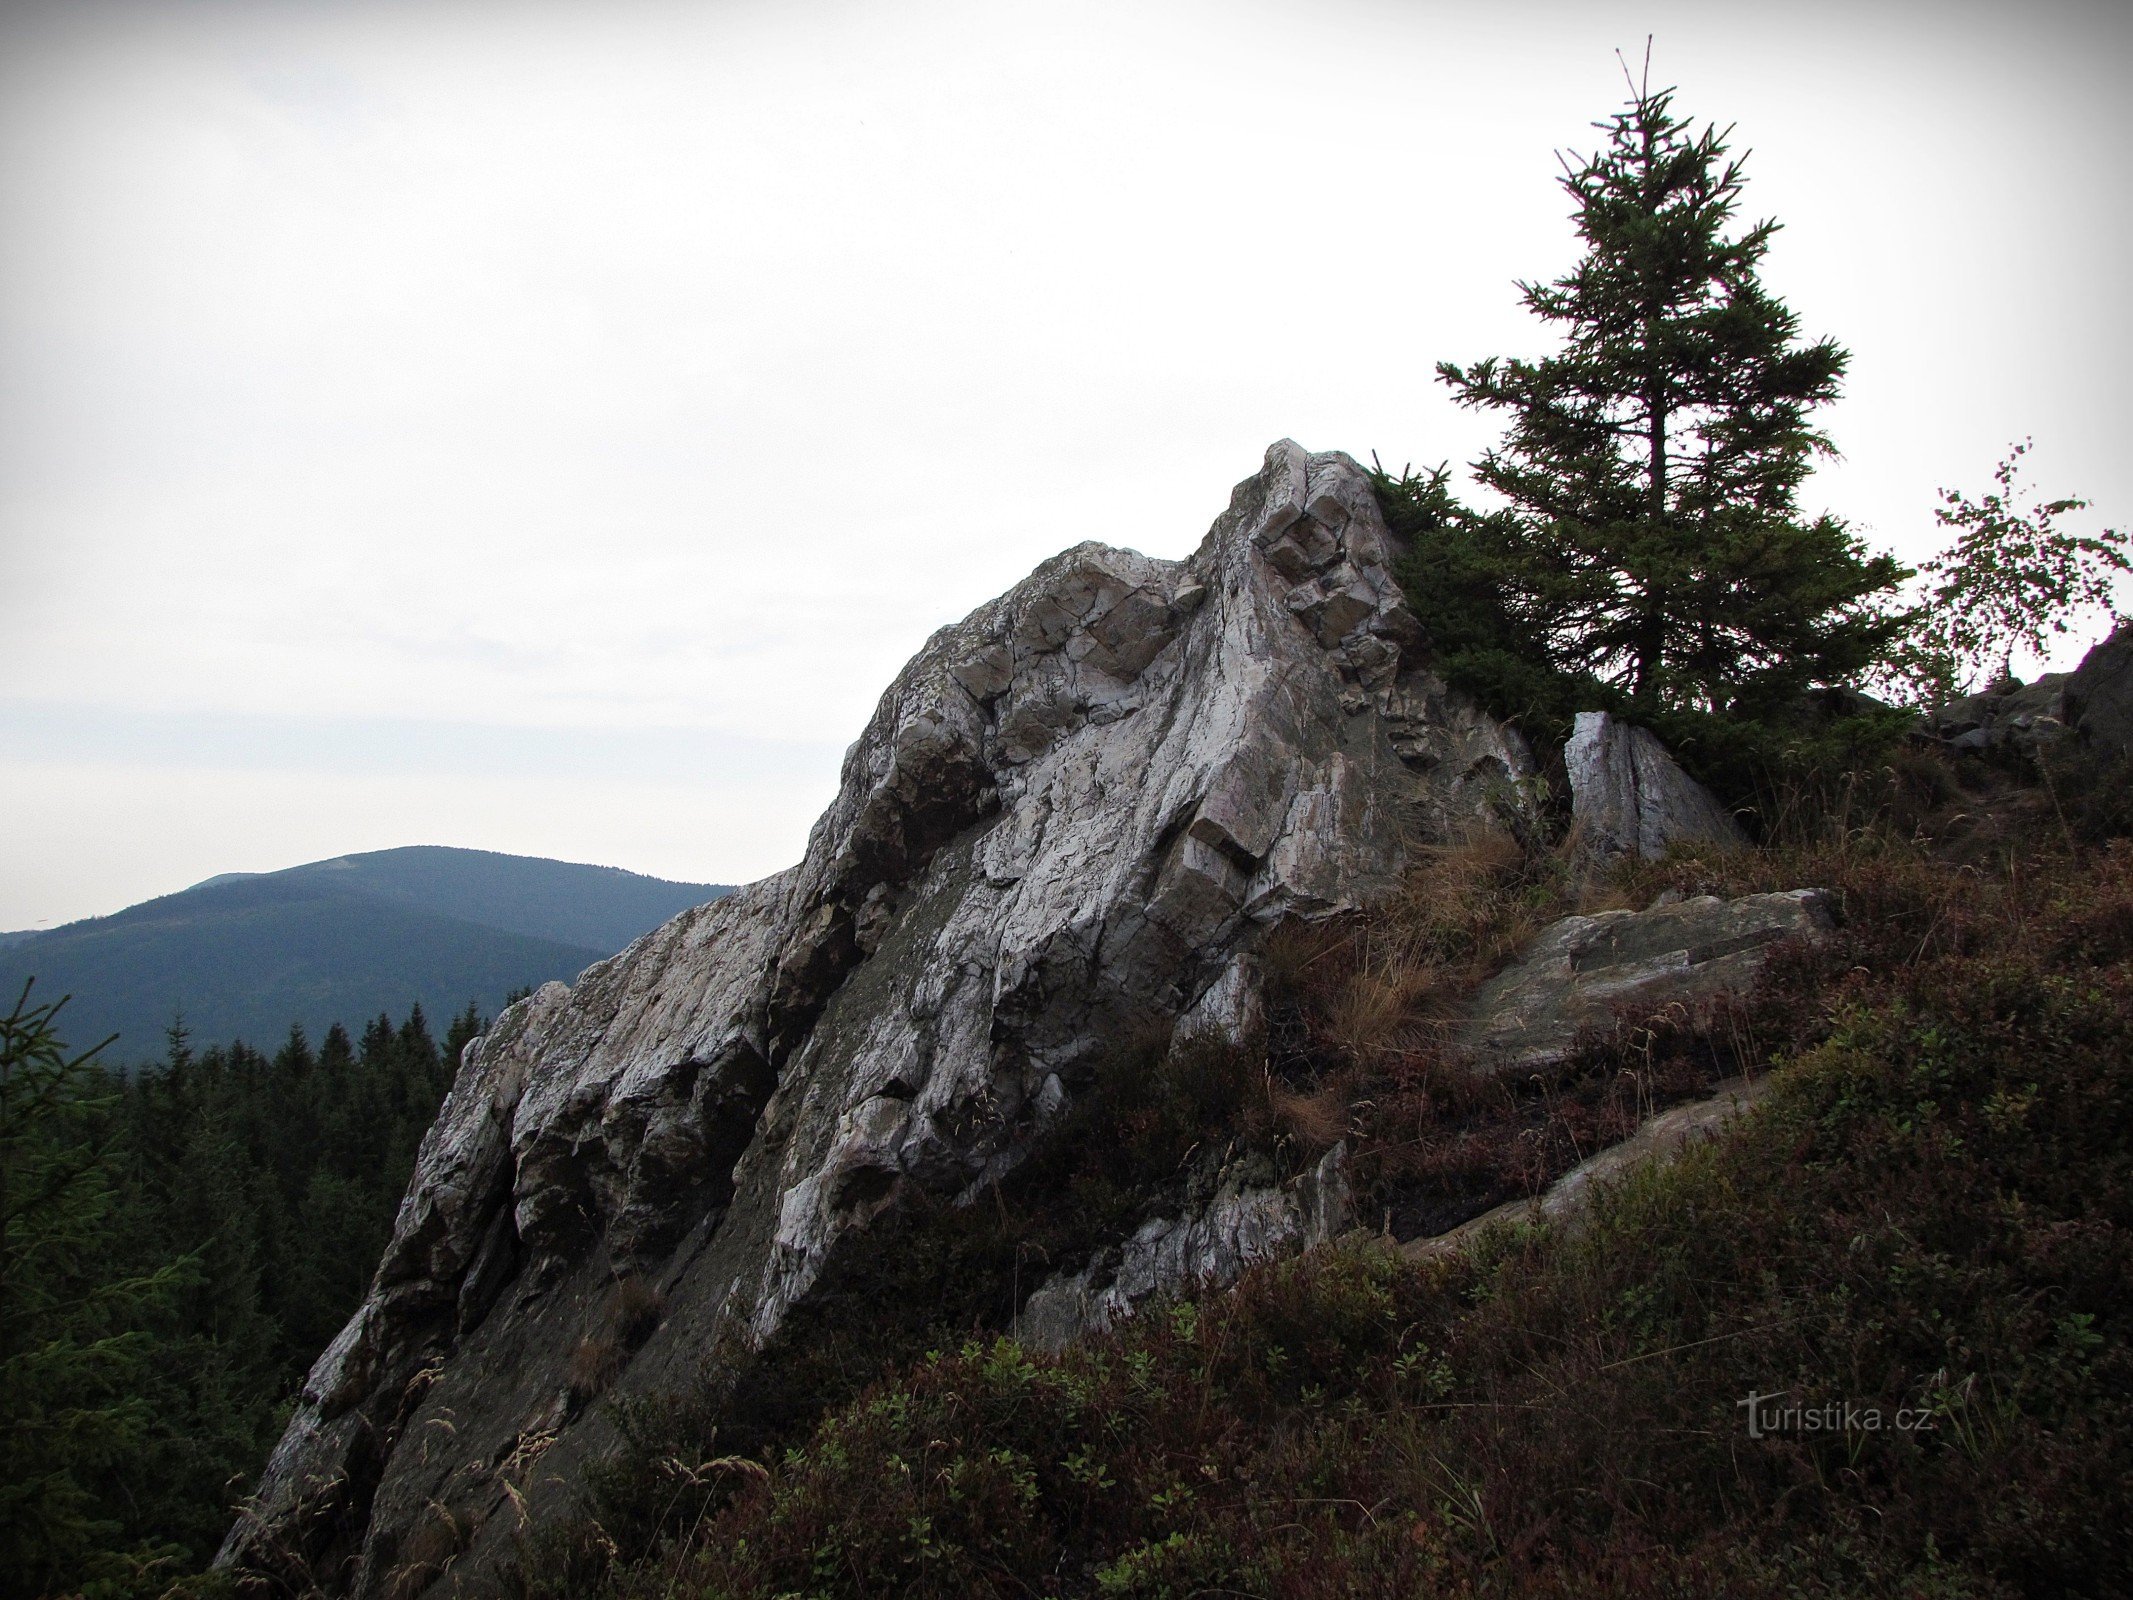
{"points": [[1873, 1342]]}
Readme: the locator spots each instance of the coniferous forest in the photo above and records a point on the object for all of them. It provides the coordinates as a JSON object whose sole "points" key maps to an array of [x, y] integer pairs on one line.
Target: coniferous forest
{"points": [[180, 1241]]}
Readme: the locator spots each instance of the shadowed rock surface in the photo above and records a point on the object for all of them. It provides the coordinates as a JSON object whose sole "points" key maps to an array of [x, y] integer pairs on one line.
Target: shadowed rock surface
{"points": [[1068, 823], [1242, 1224], [2012, 713], [1588, 972], [1628, 797], [2095, 701], [2101, 692], [1658, 1139]]}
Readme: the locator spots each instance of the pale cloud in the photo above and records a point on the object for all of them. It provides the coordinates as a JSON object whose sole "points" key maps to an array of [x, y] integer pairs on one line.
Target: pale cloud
{"points": [[671, 370]]}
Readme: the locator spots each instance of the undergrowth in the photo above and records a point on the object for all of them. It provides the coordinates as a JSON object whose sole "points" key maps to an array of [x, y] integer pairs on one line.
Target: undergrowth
{"points": [[1927, 1220]]}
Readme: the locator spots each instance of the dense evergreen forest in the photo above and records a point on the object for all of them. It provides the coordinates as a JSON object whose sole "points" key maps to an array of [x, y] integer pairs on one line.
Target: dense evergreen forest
{"points": [[178, 1244]]}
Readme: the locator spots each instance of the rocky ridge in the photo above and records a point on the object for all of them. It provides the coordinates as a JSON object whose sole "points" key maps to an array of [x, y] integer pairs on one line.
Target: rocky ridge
{"points": [[2093, 703], [1067, 824]]}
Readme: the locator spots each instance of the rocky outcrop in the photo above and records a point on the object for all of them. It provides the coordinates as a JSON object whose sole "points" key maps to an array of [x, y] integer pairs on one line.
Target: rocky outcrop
{"points": [[2094, 702], [1629, 797], [2010, 713], [1590, 973], [1067, 824], [1169, 1256], [2100, 693]]}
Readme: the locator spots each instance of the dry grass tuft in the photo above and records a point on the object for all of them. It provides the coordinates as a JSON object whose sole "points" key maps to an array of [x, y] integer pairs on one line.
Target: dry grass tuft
{"points": [[630, 1316], [431, 1546], [1316, 1121], [595, 1362], [635, 1306], [1382, 987]]}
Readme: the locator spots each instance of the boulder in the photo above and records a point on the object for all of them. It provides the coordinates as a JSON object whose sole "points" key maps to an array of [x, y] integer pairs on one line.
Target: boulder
{"points": [[2009, 714], [1628, 796], [1069, 822], [1591, 973], [2099, 693]]}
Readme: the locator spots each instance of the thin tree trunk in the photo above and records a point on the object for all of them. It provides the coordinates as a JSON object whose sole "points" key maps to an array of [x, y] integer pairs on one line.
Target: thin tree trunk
{"points": [[1651, 630]]}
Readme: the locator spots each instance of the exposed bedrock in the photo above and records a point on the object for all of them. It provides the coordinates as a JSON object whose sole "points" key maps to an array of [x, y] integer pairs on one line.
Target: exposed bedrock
{"points": [[1585, 976], [1241, 1224], [1067, 824], [1628, 796], [2093, 702]]}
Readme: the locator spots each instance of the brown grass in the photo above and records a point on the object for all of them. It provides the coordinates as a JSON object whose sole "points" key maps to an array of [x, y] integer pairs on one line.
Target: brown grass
{"points": [[630, 1316], [634, 1308], [1362, 1013], [595, 1362], [1315, 1121], [431, 1546]]}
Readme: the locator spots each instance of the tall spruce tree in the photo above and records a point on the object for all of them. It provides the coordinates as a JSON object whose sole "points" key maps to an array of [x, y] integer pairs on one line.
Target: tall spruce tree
{"points": [[1652, 537]]}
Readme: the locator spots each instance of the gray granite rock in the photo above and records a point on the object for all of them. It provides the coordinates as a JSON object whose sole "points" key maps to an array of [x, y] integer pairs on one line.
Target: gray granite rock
{"points": [[1586, 972], [1171, 1256], [1629, 797], [1067, 824], [2010, 714], [2100, 691], [2095, 701]]}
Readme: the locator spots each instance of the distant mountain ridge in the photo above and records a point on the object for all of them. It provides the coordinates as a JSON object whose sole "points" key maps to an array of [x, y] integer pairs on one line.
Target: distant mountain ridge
{"points": [[246, 955]]}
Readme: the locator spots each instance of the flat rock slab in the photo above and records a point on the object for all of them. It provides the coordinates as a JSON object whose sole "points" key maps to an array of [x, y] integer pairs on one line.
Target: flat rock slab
{"points": [[1595, 972], [1660, 1138]]}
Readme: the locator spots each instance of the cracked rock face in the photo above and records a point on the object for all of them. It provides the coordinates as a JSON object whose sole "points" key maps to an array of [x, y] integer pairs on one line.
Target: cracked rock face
{"points": [[1068, 823], [1628, 797], [1589, 972], [1167, 1256]]}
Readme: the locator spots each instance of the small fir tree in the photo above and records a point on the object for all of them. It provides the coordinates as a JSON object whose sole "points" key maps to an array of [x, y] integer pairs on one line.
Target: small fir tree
{"points": [[1652, 537], [75, 1351]]}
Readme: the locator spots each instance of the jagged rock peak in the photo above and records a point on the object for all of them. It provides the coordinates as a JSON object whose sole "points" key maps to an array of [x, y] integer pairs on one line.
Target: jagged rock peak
{"points": [[1067, 824]]}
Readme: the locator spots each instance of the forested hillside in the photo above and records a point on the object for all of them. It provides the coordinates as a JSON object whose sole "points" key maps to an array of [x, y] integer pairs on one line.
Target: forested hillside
{"points": [[246, 955], [180, 1244]]}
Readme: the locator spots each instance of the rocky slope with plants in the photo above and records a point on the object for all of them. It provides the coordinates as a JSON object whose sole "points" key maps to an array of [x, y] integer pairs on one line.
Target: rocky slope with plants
{"points": [[1174, 919], [1061, 840]]}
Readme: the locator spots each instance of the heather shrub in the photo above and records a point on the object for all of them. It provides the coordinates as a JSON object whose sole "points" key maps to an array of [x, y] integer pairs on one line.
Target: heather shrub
{"points": [[1929, 1215]]}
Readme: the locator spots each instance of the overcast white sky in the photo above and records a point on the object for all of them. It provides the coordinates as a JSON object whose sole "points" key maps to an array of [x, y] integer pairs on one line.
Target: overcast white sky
{"points": [[547, 427]]}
